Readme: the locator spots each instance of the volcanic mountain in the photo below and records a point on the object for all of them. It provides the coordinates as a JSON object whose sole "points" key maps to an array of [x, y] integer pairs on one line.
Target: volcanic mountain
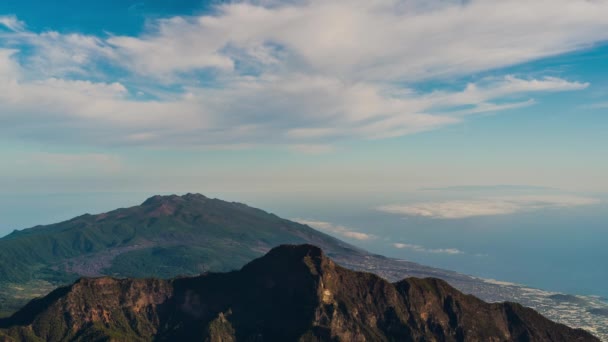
{"points": [[294, 293], [164, 237]]}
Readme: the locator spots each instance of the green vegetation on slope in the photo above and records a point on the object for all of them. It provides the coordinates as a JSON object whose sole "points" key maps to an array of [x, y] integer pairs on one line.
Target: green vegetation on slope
{"points": [[166, 262]]}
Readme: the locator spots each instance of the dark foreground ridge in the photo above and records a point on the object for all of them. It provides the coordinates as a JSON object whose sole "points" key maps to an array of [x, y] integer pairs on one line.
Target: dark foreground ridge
{"points": [[293, 293]]}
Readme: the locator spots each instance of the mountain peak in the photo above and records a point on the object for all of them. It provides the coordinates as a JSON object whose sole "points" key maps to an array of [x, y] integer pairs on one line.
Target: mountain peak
{"points": [[296, 251], [194, 197], [287, 303], [290, 258], [165, 199]]}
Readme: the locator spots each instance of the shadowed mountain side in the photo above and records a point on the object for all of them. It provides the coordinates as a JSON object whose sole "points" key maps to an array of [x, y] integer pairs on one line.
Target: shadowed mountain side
{"points": [[293, 293]]}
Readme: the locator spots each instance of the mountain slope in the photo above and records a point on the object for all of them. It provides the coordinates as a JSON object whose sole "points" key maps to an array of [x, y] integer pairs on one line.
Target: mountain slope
{"points": [[165, 231], [294, 293], [165, 236]]}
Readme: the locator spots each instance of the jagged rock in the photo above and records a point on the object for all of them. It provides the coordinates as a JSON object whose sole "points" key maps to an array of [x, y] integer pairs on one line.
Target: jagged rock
{"points": [[293, 293]]}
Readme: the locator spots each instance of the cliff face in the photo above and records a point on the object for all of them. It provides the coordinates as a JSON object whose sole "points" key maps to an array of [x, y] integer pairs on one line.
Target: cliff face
{"points": [[93, 309], [294, 293]]}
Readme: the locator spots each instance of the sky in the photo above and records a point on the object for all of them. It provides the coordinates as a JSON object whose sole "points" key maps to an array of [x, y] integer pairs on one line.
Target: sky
{"points": [[465, 134], [307, 96]]}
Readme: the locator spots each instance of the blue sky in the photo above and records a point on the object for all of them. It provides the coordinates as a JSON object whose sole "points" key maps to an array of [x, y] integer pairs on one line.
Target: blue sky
{"points": [[446, 132], [302, 96]]}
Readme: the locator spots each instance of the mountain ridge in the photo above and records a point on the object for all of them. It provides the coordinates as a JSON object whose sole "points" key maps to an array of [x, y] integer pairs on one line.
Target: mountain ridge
{"points": [[293, 293], [169, 236]]}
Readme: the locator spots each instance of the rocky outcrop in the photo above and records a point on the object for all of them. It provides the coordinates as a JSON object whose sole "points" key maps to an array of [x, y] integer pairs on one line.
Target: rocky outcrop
{"points": [[294, 293]]}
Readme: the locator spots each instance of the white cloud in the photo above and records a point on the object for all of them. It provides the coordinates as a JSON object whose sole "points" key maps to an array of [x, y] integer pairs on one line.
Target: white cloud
{"points": [[54, 54], [456, 209], [303, 74], [499, 282], [176, 46], [304, 112], [12, 23], [336, 229], [371, 40], [94, 112], [418, 248]]}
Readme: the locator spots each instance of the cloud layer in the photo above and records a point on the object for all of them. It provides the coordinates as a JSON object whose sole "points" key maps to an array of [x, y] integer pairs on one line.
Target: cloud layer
{"points": [[457, 209], [336, 229], [301, 74], [367, 40], [418, 248]]}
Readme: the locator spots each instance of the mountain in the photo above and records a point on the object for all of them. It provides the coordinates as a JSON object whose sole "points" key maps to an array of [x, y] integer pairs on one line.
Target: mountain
{"points": [[293, 293], [164, 237], [169, 236]]}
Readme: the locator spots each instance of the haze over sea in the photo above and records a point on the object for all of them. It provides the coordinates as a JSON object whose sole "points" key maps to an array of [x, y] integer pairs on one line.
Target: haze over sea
{"points": [[559, 245]]}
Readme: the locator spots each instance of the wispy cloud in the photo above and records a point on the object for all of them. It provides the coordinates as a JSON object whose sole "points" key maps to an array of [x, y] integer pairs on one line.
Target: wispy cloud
{"points": [[267, 83], [12, 23], [247, 112], [359, 39], [418, 248], [336, 229], [456, 209]]}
